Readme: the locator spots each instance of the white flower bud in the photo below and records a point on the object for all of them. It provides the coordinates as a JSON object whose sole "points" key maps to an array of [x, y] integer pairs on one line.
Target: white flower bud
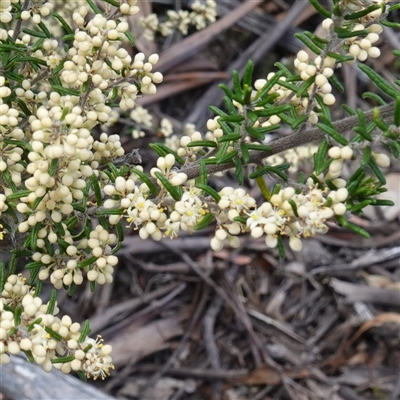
{"points": [[295, 243], [320, 80], [13, 348], [346, 153], [374, 52], [365, 44], [234, 228], [92, 275], [220, 234], [288, 193], [178, 179], [302, 56], [381, 159], [153, 59], [270, 229], [257, 232], [276, 200], [327, 23], [271, 241], [25, 344], [362, 56], [329, 99], [339, 209], [341, 195], [216, 244], [336, 166], [76, 365], [39, 351]]}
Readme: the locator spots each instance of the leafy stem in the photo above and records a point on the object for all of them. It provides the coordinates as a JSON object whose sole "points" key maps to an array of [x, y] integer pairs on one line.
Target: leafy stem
{"points": [[296, 139]]}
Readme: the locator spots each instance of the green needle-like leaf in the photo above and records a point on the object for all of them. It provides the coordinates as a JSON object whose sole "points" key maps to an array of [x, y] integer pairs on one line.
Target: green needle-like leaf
{"points": [[209, 190], [379, 81], [172, 190], [205, 221]]}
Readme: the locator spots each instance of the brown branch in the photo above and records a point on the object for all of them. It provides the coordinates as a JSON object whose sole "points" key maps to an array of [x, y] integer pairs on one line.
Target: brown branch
{"points": [[296, 139]]}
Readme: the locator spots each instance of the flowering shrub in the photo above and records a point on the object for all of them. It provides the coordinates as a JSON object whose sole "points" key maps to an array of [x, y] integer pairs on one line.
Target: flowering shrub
{"points": [[65, 196]]}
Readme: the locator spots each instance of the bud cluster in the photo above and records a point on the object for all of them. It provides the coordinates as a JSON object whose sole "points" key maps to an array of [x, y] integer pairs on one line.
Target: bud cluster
{"points": [[49, 340]]}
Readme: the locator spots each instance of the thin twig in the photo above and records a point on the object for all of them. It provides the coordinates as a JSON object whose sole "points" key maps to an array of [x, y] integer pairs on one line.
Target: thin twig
{"points": [[18, 25], [243, 317], [174, 356], [210, 342], [196, 373]]}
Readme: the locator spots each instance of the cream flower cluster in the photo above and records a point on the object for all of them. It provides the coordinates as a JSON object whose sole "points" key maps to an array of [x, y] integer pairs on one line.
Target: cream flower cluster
{"points": [[5, 10], [172, 141], [190, 153], [296, 157], [288, 213], [202, 14], [363, 47], [97, 57], [166, 127], [144, 119], [165, 166], [160, 217], [321, 68], [37, 12], [97, 61], [64, 269], [144, 213], [214, 127], [49, 154], [51, 341], [142, 116], [187, 213]]}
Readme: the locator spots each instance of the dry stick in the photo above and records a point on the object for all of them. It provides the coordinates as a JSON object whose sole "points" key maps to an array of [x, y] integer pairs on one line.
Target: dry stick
{"points": [[255, 52], [242, 317], [209, 322], [195, 373], [169, 89], [167, 366], [256, 22], [119, 311], [312, 135], [154, 306], [210, 342], [189, 46]]}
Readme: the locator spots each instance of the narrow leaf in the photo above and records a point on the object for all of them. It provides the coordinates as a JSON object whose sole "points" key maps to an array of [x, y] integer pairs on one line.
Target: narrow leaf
{"points": [[172, 190], [379, 81], [209, 190], [205, 221], [333, 133]]}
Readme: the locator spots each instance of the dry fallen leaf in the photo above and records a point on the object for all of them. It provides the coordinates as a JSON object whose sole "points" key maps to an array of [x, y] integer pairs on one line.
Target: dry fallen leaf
{"points": [[379, 320], [265, 375], [239, 259], [130, 346]]}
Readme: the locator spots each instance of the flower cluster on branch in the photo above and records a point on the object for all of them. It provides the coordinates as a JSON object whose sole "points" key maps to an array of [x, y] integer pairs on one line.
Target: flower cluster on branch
{"points": [[27, 325]]}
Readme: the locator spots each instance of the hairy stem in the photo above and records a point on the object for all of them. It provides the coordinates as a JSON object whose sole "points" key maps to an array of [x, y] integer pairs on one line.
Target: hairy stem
{"points": [[296, 139], [17, 29]]}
